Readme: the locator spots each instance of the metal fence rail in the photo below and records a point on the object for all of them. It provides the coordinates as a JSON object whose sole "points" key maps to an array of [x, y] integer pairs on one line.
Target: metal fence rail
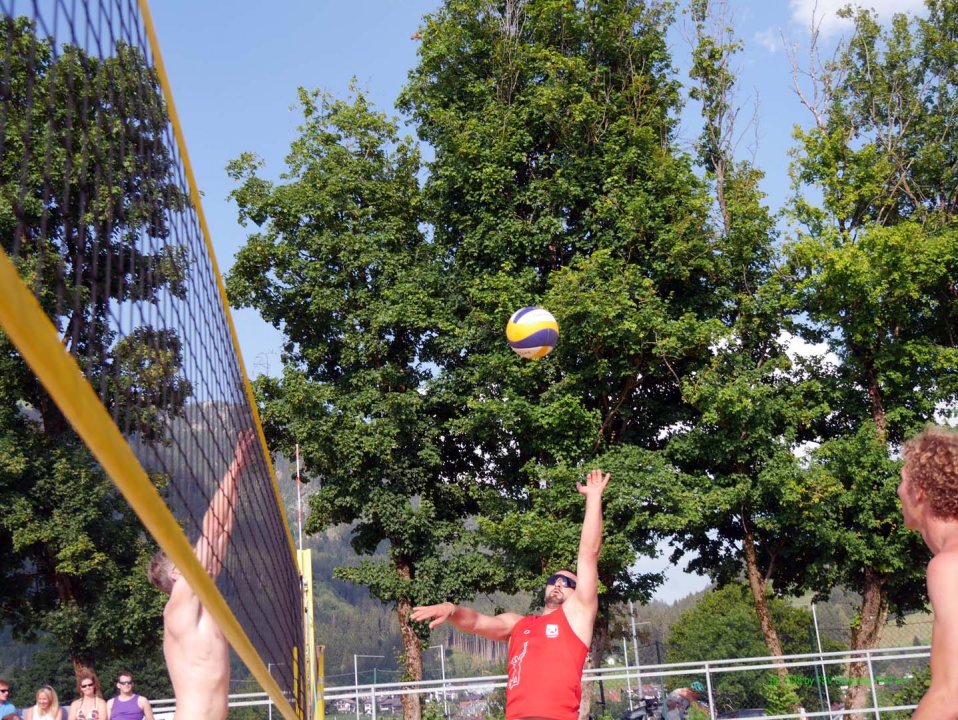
{"points": [[819, 677]]}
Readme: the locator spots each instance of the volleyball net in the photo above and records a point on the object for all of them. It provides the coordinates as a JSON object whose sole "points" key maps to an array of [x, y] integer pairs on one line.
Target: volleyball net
{"points": [[111, 296]]}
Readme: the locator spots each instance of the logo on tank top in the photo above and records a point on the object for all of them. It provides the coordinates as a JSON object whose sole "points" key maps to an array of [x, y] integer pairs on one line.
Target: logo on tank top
{"points": [[552, 631]]}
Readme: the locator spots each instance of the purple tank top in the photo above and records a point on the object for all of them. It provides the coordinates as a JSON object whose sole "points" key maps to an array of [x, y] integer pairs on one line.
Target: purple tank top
{"points": [[129, 710]]}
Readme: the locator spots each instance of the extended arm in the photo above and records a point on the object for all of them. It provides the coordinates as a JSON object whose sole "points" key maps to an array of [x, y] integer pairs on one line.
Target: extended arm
{"points": [[590, 541], [583, 606], [493, 627], [218, 521], [941, 700]]}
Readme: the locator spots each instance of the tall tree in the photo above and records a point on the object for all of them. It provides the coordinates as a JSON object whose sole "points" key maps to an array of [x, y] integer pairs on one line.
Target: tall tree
{"points": [[741, 510], [874, 264], [345, 269], [84, 175], [557, 181]]}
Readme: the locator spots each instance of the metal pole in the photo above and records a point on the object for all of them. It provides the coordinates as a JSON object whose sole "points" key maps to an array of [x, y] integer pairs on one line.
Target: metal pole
{"points": [[628, 680], [708, 687], [442, 665], [299, 499], [818, 639], [356, 677], [269, 669], [871, 677], [635, 647]]}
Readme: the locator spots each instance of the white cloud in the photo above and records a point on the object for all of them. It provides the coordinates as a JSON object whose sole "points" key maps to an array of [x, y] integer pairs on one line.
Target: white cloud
{"points": [[824, 12], [769, 39]]}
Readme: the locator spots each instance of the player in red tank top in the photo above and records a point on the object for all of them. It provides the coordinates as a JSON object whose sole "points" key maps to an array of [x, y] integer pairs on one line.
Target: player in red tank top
{"points": [[546, 652]]}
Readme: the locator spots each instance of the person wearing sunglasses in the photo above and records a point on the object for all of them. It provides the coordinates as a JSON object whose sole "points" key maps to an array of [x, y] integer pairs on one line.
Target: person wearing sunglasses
{"points": [[90, 705], [196, 651], [128, 705], [6, 707], [546, 652]]}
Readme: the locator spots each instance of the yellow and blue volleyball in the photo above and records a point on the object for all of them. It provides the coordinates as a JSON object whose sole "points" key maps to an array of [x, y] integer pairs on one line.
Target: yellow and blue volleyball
{"points": [[532, 332]]}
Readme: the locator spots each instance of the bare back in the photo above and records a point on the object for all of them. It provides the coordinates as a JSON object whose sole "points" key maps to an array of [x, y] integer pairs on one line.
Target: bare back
{"points": [[197, 656]]}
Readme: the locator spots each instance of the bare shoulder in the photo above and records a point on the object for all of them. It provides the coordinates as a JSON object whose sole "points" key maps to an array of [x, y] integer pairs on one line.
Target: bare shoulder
{"points": [[943, 579]]}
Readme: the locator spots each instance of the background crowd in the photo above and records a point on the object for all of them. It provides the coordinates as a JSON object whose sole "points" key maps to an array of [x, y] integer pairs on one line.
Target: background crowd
{"points": [[89, 704]]}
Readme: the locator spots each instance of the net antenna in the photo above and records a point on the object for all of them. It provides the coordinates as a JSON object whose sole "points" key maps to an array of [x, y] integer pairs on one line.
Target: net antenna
{"points": [[114, 308]]}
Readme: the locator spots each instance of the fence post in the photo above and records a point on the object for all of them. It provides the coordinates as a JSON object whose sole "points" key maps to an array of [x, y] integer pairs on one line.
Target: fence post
{"points": [[708, 689], [628, 678], [871, 677]]}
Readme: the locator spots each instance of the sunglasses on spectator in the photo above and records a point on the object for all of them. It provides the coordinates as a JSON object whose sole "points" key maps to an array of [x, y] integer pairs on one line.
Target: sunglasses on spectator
{"points": [[561, 581], [87, 685], [6, 690], [124, 682]]}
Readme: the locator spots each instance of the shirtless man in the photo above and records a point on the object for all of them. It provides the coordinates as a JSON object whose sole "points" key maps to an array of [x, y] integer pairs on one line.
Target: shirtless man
{"points": [[196, 651], [547, 651], [929, 502]]}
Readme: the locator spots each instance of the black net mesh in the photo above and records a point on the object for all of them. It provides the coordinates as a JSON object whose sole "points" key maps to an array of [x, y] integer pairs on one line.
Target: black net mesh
{"points": [[96, 215]]}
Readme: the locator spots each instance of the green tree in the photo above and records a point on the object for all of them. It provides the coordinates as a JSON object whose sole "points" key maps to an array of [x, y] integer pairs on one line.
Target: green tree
{"points": [[76, 195], [557, 182], [724, 624], [873, 268], [344, 267], [742, 499]]}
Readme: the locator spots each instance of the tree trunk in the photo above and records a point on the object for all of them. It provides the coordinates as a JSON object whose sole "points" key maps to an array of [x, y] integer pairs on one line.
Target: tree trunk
{"points": [[867, 635], [758, 586], [412, 651]]}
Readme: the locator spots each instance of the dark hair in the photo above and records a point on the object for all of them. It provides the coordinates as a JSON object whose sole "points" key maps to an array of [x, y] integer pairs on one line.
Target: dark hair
{"points": [[124, 673]]}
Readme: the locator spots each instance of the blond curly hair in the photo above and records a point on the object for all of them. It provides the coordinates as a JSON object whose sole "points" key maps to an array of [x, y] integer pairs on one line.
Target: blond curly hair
{"points": [[931, 462]]}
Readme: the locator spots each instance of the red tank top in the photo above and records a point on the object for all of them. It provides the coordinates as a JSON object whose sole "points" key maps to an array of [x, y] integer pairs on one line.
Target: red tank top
{"points": [[545, 668]]}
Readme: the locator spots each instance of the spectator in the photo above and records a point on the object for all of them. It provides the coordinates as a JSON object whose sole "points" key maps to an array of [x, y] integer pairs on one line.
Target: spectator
{"points": [[90, 705], [128, 705], [6, 707], [47, 707]]}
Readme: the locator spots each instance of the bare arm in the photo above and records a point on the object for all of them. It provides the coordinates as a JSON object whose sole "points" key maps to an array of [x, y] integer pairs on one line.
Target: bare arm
{"points": [[218, 521], [73, 710], [493, 627], [145, 707], [109, 708], [941, 700], [584, 603]]}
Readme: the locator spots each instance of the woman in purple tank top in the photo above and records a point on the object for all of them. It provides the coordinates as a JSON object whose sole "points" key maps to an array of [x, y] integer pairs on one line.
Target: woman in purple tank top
{"points": [[127, 705]]}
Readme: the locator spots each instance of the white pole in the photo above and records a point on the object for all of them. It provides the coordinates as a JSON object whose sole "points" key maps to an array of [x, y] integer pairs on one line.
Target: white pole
{"points": [[628, 680], [818, 639], [442, 663], [356, 677], [299, 499], [269, 669]]}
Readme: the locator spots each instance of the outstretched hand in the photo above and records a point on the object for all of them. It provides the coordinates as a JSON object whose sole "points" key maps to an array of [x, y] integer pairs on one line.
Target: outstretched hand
{"points": [[438, 614], [595, 483]]}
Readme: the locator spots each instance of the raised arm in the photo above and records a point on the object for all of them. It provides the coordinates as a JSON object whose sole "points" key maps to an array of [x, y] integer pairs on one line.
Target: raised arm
{"points": [[493, 627], [583, 606], [211, 547], [941, 700]]}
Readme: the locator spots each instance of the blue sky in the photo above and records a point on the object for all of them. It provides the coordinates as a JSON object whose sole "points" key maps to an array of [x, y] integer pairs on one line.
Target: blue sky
{"points": [[235, 69]]}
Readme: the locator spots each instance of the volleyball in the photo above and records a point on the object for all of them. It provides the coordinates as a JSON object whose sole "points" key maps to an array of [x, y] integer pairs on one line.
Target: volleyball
{"points": [[532, 332]]}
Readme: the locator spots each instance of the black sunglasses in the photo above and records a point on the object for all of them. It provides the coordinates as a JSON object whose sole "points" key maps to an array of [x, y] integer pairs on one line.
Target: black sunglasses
{"points": [[88, 685], [561, 581], [124, 682]]}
